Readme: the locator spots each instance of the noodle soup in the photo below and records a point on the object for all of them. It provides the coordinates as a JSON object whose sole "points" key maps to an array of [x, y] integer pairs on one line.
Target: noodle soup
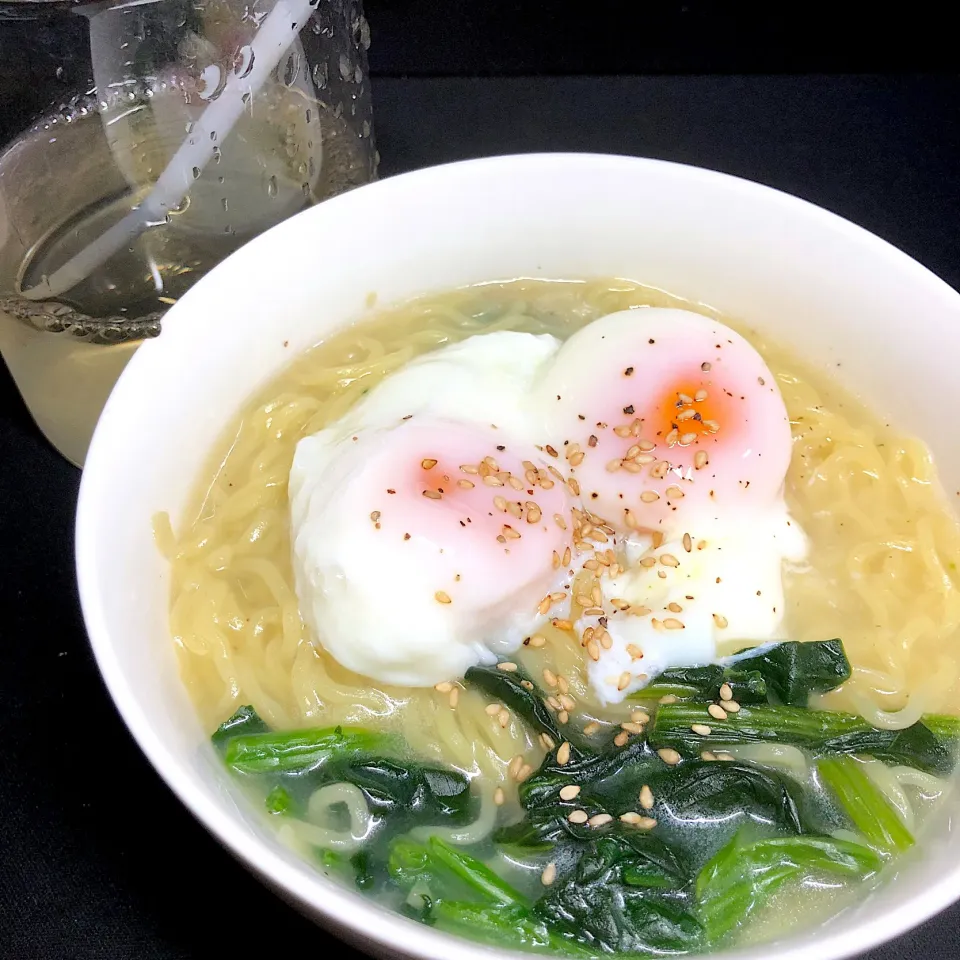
{"points": [[536, 798]]}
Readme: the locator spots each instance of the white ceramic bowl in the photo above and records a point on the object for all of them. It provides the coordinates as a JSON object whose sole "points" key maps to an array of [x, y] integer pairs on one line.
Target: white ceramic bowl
{"points": [[838, 295]]}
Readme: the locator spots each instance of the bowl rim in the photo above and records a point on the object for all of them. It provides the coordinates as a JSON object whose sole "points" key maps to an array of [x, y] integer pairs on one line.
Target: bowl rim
{"points": [[368, 924]]}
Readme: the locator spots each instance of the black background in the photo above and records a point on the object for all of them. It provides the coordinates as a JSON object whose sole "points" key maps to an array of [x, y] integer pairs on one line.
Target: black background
{"points": [[97, 858]]}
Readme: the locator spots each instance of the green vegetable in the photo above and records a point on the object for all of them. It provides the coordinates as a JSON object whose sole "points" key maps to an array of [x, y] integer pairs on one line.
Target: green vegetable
{"points": [[300, 751], [437, 863], [942, 726], [507, 926], [245, 720], [476, 874], [742, 875], [517, 691], [406, 790], [864, 803], [599, 905], [794, 670], [821, 731], [278, 801], [703, 683]]}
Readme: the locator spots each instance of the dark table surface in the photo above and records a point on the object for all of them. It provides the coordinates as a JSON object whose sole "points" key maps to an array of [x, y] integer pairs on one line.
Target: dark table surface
{"points": [[97, 857]]}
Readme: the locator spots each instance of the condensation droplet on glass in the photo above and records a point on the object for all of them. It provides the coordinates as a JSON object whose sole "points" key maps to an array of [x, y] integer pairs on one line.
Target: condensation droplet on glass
{"points": [[196, 173], [225, 205], [305, 187], [246, 97], [59, 73], [245, 58], [338, 111], [309, 115], [272, 187], [211, 82], [358, 75], [311, 168], [217, 155], [213, 134], [364, 32], [321, 73], [346, 67], [220, 180], [365, 129], [190, 126]]}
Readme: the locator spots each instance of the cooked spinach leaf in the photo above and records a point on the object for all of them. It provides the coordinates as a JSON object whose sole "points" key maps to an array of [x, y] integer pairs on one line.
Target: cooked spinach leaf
{"points": [[743, 874], [821, 731], [795, 670]]}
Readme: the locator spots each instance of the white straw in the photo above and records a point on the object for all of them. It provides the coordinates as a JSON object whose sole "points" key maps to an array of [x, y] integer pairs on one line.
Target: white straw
{"points": [[273, 39]]}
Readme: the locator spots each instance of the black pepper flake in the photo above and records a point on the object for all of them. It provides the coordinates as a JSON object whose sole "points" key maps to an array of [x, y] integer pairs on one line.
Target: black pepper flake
{"points": [[628, 409], [580, 416], [592, 442], [391, 491], [406, 536], [651, 340], [501, 448], [593, 496], [628, 372]]}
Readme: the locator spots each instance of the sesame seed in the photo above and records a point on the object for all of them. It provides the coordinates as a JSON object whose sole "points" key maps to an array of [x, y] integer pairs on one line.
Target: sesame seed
{"points": [[674, 493], [578, 816], [526, 684], [640, 716], [672, 623], [566, 557], [640, 611], [537, 641], [569, 792], [711, 425], [669, 756], [659, 470], [649, 496], [668, 699], [717, 712], [726, 692], [687, 543], [593, 651], [507, 666], [674, 608], [591, 728], [687, 439], [428, 463], [645, 823], [669, 560], [700, 459], [705, 367], [563, 753], [720, 620], [685, 414], [492, 709], [442, 597], [547, 741], [432, 495], [444, 687], [466, 484], [551, 451], [606, 641], [454, 698], [549, 874], [623, 431], [549, 677], [621, 738], [646, 797], [600, 820], [503, 717], [574, 487], [672, 437], [700, 729], [492, 481], [469, 468], [708, 755], [563, 716], [636, 728], [700, 395], [515, 764], [499, 796], [624, 680], [726, 757], [524, 773], [731, 706], [562, 624], [631, 818], [515, 482], [508, 533]]}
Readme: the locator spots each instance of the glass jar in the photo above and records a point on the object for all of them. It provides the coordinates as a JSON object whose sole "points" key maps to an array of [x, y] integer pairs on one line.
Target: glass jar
{"points": [[141, 143]]}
